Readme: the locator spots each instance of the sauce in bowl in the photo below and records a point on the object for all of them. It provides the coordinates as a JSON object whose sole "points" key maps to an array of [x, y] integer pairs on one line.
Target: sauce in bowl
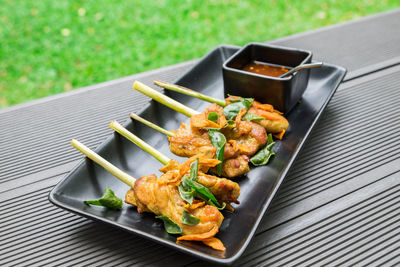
{"points": [[265, 69]]}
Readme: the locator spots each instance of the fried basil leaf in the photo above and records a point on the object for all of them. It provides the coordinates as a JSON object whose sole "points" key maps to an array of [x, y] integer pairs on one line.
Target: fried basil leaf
{"points": [[189, 219], [229, 123], [170, 226], [262, 157], [201, 192], [213, 116], [252, 117], [194, 168], [218, 140], [108, 200], [231, 111], [187, 194]]}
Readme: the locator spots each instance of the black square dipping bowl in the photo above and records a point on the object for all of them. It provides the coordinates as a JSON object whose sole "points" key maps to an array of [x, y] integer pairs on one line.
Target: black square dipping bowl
{"points": [[282, 93]]}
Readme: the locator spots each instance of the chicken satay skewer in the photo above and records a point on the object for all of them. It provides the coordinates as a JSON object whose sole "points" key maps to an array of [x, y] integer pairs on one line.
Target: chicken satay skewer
{"points": [[166, 202], [252, 135], [123, 176], [207, 149], [223, 189], [273, 121], [185, 143], [196, 117]]}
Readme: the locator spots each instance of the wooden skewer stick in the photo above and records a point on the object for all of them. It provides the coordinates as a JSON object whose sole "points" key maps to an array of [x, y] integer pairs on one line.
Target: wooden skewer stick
{"points": [[123, 176], [163, 99], [139, 142], [150, 124], [189, 92]]}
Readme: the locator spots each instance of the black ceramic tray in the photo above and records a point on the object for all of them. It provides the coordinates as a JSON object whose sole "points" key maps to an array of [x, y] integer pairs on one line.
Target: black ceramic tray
{"points": [[88, 180]]}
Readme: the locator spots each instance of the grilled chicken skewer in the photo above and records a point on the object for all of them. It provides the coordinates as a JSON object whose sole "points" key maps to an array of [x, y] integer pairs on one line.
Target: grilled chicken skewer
{"points": [[224, 190], [243, 140], [188, 142], [163, 199], [273, 122]]}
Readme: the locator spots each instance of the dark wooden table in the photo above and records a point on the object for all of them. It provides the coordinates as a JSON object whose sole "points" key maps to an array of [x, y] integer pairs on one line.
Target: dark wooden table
{"points": [[340, 203]]}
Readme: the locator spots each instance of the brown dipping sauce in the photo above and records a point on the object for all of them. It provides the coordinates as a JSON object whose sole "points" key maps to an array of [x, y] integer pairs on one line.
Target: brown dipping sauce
{"points": [[265, 69]]}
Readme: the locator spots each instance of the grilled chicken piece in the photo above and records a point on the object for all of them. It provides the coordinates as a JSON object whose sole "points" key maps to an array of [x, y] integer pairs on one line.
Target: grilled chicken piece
{"points": [[163, 199], [243, 140], [201, 120], [223, 189], [273, 121], [235, 167], [189, 142], [249, 136]]}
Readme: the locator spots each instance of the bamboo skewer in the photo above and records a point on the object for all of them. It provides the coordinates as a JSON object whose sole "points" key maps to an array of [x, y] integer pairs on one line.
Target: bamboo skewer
{"points": [[189, 92], [150, 124], [123, 176], [163, 99], [139, 142]]}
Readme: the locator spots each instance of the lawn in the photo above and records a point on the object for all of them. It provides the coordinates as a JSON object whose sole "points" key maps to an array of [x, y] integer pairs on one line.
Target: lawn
{"points": [[48, 47]]}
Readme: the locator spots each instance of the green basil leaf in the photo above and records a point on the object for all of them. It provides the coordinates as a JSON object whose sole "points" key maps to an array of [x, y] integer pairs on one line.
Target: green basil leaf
{"points": [[201, 192], [229, 123], [170, 226], [108, 200], [262, 157], [93, 202], [231, 111], [189, 219], [252, 117], [218, 140], [220, 207], [194, 168], [213, 116], [186, 194]]}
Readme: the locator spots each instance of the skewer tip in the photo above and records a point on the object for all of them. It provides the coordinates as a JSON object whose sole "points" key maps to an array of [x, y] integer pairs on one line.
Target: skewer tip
{"points": [[113, 123], [136, 84]]}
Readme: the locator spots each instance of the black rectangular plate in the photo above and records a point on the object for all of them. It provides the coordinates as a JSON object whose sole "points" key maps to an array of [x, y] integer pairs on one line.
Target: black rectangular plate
{"points": [[88, 180]]}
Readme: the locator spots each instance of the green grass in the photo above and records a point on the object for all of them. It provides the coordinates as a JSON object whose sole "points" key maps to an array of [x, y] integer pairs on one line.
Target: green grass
{"points": [[47, 47]]}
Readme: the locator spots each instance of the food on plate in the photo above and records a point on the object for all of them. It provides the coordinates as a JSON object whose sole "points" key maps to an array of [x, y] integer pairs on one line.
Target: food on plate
{"points": [[196, 216], [231, 134], [224, 190], [223, 138], [188, 142], [108, 200], [271, 119]]}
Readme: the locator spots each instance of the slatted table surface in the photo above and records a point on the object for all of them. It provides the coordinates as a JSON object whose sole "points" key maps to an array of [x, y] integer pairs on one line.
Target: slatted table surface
{"points": [[340, 203]]}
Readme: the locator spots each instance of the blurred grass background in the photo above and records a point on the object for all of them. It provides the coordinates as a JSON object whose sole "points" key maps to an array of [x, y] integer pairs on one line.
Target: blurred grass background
{"points": [[47, 47]]}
